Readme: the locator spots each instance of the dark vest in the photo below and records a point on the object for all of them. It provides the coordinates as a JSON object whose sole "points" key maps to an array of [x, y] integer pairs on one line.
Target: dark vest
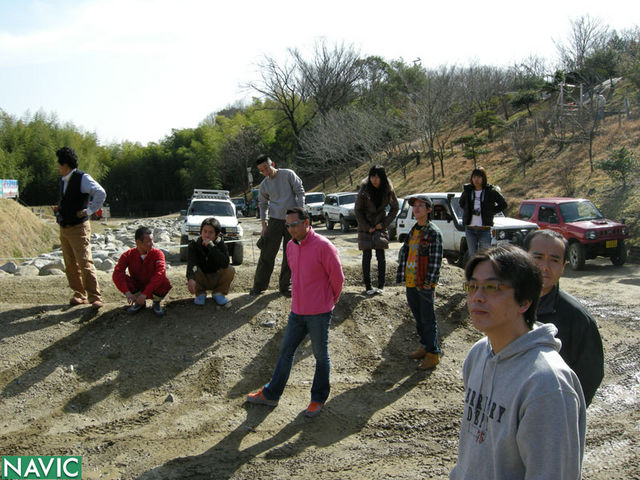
{"points": [[72, 201]]}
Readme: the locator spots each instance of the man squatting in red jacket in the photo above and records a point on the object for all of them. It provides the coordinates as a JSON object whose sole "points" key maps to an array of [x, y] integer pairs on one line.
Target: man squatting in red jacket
{"points": [[147, 274]]}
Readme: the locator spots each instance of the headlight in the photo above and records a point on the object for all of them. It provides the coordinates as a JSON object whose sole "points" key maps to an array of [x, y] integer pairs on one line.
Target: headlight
{"points": [[590, 235], [351, 212], [232, 229], [500, 234]]}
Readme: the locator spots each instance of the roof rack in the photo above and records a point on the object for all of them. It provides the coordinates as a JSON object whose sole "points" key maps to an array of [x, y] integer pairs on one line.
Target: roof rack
{"points": [[204, 193]]}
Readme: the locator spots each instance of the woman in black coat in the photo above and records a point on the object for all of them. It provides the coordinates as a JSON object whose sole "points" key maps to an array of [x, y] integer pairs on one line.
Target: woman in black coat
{"points": [[375, 194], [479, 201]]}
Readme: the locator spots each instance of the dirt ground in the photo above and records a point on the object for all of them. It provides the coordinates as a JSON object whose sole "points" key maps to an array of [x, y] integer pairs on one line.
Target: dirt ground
{"points": [[141, 397]]}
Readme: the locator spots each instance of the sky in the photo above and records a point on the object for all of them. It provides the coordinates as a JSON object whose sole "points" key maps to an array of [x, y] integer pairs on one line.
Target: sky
{"points": [[133, 70]]}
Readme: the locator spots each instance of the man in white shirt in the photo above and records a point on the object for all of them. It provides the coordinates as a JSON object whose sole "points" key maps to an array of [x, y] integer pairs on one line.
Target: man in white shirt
{"points": [[80, 197]]}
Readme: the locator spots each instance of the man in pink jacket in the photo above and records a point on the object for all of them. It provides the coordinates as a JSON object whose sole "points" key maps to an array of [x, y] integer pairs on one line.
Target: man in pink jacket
{"points": [[316, 284], [147, 274]]}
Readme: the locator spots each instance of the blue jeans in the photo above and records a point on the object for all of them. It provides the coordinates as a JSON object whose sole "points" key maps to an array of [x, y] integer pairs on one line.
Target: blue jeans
{"points": [[317, 326], [421, 305], [477, 240]]}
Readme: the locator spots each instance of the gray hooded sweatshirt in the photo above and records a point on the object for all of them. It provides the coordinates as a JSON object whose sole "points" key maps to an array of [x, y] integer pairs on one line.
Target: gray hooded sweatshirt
{"points": [[524, 412]]}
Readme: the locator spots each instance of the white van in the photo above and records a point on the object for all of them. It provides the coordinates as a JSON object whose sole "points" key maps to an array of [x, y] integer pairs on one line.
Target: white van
{"points": [[447, 216]]}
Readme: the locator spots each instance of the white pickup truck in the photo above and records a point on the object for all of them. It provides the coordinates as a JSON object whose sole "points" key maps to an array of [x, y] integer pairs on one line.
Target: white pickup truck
{"points": [[446, 214], [212, 203]]}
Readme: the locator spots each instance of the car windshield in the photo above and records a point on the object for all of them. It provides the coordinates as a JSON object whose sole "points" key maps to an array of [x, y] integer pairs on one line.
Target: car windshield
{"points": [[578, 211], [213, 208], [344, 199], [314, 198]]}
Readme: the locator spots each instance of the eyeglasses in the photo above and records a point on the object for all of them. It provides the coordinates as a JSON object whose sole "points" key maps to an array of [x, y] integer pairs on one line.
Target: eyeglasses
{"points": [[293, 224], [488, 288]]}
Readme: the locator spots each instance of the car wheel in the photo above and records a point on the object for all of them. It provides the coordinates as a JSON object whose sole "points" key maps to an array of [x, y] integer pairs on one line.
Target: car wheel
{"points": [[237, 254], [576, 256], [620, 257], [344, 225], [328, 223], [184, 240]]}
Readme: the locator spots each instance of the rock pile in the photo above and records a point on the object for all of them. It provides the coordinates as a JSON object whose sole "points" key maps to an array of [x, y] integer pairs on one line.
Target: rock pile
{"points": [[106, 248]]}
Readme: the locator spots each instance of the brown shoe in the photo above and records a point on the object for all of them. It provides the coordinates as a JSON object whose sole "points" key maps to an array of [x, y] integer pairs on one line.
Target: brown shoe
{"points": [[419, 353], [430, 361], [77, 301], [97, 304]]}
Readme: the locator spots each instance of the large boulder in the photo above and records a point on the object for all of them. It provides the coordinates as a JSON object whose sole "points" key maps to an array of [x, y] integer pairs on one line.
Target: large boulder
{"points": [[9, 267], [51, 271], [107, 265], [53, 265], [27, 271]]}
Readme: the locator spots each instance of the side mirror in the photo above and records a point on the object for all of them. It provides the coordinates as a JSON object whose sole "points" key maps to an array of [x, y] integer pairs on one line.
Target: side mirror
{"points": [[183, 213]]}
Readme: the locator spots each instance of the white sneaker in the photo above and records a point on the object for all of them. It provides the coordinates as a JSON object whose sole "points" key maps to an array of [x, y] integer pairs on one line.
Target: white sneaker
{"points": [[379, 291], [372, 291]]}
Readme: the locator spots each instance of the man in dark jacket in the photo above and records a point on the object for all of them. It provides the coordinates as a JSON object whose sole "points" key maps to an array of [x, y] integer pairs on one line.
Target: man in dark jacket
{"points": [[80, 197], [208, 264], [581, 343]]}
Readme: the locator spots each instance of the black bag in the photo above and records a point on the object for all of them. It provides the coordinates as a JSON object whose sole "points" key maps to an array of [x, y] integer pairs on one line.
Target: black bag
{"points": [[380, 239]]}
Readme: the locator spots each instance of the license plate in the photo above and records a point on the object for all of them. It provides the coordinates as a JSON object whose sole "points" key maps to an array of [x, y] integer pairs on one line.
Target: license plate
{"points": [[611, 243]]}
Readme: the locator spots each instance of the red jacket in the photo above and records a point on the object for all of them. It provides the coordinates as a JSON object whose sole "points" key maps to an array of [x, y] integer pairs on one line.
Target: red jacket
{"points": [[148, 275]]}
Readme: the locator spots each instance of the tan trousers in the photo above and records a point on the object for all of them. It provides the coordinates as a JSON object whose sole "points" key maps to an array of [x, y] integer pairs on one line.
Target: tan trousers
{"points": [[217, 282], [79, 267]]}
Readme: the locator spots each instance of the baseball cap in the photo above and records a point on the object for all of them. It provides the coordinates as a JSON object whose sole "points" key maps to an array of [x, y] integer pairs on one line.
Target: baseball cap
{"points": [[424, 198]]}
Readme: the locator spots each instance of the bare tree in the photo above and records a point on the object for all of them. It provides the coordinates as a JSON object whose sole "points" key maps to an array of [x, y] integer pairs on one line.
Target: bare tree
{"points": [[433, 108], [587, 35], [282, 85], [527, 141], [330, 76], [237, 154], [341, 139], [302, 88]]}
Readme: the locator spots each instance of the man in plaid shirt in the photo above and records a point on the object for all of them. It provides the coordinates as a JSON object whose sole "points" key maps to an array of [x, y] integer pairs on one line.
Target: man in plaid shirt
{"points": [[419, 264]]}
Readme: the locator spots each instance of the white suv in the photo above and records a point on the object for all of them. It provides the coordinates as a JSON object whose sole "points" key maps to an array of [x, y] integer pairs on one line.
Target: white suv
{"points": [[339, 208], [446, 214], [313, 202], [212, 203]]}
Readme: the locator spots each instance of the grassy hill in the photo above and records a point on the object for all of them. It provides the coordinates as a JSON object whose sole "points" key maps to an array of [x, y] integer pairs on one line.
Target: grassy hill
{"points": [[552, 174], [23, 233]]}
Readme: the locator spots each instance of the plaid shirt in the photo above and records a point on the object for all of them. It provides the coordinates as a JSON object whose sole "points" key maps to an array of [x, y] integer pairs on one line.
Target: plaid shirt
{"points": [[429, 256]]}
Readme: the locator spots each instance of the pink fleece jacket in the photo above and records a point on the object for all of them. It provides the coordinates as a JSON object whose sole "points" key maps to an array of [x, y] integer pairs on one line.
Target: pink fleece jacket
{"points": [[316, 274]]}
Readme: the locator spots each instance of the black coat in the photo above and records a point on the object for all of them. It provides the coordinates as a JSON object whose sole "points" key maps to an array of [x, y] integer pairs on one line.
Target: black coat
{"points": [[491, 202], [578, 332], [207, 258]]}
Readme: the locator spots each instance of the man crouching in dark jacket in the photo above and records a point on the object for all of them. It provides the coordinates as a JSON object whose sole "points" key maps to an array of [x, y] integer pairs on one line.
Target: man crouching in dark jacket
{"points": [[577, 330], [208, 264]]}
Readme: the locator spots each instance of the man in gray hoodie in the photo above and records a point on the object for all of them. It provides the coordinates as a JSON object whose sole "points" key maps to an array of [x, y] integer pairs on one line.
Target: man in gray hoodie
{"points": [[524, 411]]}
